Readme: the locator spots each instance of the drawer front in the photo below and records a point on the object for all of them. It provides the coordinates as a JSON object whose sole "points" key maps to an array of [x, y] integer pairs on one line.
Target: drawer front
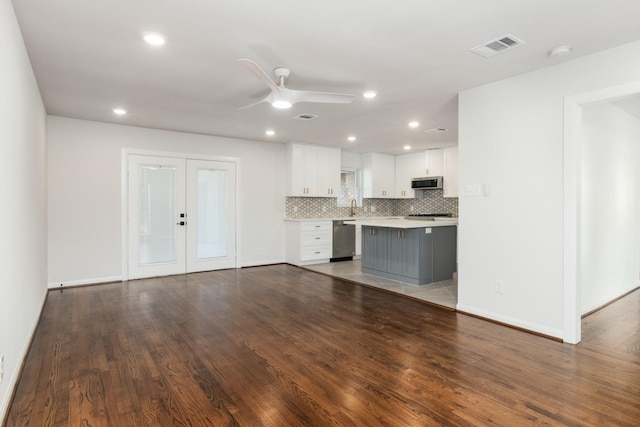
{"points": [[315, 238], [316, 226], [310, 253]]}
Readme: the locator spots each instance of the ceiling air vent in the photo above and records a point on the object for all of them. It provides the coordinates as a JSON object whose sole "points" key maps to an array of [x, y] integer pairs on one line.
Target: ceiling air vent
{"points": [[497, 46], [306, 117], [436, 130]]}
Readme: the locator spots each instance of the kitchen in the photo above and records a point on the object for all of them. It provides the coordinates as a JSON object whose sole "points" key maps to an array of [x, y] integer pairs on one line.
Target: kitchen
{"points": [[376, 193]]}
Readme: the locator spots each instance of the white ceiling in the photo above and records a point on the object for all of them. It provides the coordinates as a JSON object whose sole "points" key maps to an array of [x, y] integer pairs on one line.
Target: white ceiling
{"points": [[88, 57]]}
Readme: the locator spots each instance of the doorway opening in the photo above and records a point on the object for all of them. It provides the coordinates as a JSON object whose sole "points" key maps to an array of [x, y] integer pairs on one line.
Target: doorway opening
{"points": [[577, 221]]}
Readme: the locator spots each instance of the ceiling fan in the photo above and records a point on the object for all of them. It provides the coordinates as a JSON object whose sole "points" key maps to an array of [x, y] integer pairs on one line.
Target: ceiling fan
{"points": [[282, 97]]}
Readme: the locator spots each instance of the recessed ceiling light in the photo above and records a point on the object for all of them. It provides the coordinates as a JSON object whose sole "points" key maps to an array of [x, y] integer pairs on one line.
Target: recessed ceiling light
{"points": [[154, 39], [407, 147], [270, 132], [414, 124], [369, 94], [560, 51], [351, 138], [119, 111]]}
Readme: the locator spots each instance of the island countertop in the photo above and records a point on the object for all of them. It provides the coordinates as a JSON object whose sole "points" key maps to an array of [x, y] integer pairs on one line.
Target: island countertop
{"points": [[405, 223]]}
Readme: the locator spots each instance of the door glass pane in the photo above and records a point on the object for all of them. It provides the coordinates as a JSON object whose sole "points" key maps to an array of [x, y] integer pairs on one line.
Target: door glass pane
{"points": [[157, 215], [212, 221]]}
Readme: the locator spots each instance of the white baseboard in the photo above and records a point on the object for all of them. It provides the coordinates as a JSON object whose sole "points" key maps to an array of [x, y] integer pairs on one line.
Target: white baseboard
{"points": [[15, 375], [65, 284], [533, 327]]}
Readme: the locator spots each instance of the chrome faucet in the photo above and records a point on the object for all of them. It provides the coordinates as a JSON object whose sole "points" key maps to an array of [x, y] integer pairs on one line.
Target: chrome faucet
{"points": [[352, 208]]}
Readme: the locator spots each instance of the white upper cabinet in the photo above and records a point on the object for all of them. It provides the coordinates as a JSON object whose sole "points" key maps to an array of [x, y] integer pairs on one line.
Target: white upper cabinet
{"points": [[428, 163], [328, 172], [405, 170], [313, 171], [420, 162], [378, 176], [450, 174], [434, 163]]}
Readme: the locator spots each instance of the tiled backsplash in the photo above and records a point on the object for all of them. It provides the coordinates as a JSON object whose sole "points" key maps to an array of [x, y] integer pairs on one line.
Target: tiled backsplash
{"points": [[324, 207]]}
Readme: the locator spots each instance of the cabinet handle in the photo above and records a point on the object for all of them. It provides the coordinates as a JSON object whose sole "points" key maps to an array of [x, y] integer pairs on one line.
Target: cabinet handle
{"points": [[317, 238]]}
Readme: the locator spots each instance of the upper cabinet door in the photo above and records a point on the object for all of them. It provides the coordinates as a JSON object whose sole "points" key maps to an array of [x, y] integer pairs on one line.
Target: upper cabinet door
{"points": [[328, 176], [434, 162], [313, 171], [420, 162], [404, 173], [450, 175], [303, 170], [378, 176]]}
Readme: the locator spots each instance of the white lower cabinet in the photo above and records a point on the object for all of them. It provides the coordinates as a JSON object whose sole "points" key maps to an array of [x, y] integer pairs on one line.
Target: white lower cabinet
{"points": [[309, 242]]}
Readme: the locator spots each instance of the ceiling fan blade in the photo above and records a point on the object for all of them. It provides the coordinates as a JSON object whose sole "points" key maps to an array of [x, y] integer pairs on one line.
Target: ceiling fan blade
{"points": [[250, 105], [259, 73], [269, 98], [325, 97]]}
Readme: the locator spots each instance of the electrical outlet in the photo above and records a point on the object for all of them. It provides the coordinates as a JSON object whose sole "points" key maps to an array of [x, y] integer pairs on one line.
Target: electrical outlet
{"points": [[499, 286], [1, 367], [258, 251]]}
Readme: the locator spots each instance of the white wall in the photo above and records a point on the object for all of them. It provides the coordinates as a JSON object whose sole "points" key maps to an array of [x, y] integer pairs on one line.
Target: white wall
{"points": [[85, 194], [350, 160], [610, 203], [511, 137], [23, 218]]}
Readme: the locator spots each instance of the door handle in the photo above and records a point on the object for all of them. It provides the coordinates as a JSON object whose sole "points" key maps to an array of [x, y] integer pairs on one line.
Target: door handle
{"points": [[182, 223]]}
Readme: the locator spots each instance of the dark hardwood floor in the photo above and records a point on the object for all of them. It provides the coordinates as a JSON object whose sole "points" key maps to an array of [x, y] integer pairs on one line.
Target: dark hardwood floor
{"points": [[282, 346]]}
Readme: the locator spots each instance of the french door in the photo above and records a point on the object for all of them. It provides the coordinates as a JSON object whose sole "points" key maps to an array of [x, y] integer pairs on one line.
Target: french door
{"points": [[181, 215]]}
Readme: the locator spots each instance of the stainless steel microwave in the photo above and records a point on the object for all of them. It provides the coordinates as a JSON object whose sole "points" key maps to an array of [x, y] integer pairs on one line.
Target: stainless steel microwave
{"points": [[427, 183]]}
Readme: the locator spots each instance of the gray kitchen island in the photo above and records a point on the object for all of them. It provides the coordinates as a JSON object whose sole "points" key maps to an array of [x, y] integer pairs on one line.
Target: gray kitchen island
{"points": [[410, 251]]}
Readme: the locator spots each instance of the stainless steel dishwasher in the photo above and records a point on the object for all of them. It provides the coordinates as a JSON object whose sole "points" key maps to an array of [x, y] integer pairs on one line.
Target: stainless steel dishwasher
{"points": [[344, 241]]}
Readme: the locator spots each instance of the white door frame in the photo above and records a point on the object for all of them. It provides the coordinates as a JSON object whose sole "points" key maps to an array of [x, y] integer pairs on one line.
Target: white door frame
{"points": [[124, 202], [572, 317]]}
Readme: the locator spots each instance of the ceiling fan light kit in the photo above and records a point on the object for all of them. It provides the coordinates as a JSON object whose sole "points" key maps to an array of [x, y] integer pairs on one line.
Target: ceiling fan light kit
{"points": [[281, 104]]}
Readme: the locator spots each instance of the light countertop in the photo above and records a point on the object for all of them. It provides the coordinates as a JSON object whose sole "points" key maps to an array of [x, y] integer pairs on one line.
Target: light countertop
{"points": [[391, 222], [346, 218], [406, 223]]}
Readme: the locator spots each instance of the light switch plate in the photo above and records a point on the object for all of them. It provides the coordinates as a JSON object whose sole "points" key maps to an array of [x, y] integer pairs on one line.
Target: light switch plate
{"points": [[473, 190]]}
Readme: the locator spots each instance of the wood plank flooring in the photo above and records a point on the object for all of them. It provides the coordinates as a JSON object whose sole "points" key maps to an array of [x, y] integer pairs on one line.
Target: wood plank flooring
{"points": [[282, 346]]}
